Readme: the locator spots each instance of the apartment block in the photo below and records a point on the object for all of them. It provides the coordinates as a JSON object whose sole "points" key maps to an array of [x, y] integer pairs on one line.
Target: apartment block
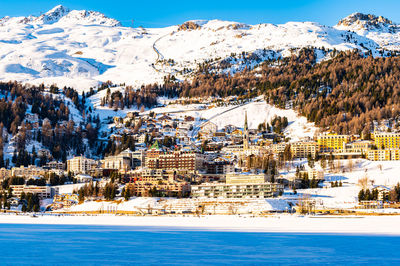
{"points": [[43, 192], [221, 190], [27, 172], [384, 155], [332, 142], [387, 140], [80, 164], [302, 149]]}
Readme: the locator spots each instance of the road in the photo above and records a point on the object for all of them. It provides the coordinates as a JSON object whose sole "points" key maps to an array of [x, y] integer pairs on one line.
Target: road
{"points": [[160, 57]]}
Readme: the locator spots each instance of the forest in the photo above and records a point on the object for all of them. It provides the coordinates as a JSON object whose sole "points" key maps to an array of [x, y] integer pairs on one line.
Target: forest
{"points": [[344, 94], [52, 126]]}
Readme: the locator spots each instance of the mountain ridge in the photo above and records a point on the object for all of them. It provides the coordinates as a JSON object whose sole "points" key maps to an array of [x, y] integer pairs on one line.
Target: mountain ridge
{"points": [[82, 49], [64, 14]]}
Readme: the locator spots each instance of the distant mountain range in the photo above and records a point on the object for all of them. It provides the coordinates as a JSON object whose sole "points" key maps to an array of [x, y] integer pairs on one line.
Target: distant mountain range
{"points": [[84, 48]]}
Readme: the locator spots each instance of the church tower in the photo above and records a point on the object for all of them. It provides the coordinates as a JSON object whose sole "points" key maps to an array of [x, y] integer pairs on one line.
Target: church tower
{"points": [[245, 134]]}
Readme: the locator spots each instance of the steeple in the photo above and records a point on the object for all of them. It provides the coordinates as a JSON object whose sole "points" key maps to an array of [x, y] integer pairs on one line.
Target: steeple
{"points": [[156, 146], [245, 133], [245, 121]]}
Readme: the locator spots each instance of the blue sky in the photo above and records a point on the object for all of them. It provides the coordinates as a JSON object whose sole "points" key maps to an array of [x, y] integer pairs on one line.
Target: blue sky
{"points": [[164, 13]]}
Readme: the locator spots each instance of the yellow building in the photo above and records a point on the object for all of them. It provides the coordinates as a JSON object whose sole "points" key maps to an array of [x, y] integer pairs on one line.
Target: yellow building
{"points": [[395, 154], [332, 142], [387, 140]]}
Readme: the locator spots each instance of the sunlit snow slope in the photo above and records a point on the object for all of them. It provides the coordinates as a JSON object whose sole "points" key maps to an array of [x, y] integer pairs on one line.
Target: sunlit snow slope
{"points": [[83, 48]]}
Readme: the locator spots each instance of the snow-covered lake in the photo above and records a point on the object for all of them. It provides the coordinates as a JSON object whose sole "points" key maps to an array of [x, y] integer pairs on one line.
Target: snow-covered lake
{"points": [[34, 244]]}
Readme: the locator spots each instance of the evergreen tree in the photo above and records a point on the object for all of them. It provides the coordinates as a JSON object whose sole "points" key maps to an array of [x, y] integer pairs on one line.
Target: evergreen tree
{"points": [[361, 195]]}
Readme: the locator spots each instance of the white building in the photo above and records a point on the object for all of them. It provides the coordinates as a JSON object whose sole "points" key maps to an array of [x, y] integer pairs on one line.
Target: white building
{"points": [[82, 178], [221, 190], [118, 162], [27, 172], [80, 164], [42, 192]]}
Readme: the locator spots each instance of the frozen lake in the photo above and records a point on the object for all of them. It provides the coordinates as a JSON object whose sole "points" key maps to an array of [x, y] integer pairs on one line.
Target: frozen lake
{"points": [[120, 245]]}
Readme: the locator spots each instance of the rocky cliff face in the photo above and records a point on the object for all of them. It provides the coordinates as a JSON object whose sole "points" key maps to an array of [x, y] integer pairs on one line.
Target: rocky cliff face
{"points": [[367, 22]]}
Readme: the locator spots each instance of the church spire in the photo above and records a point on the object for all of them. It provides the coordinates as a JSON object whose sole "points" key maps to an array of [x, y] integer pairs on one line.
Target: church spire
{"points": [[245, 121], [245, 133]]}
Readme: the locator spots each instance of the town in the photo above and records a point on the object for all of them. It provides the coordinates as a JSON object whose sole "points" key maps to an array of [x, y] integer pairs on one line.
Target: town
{"points": [[163, 163]]}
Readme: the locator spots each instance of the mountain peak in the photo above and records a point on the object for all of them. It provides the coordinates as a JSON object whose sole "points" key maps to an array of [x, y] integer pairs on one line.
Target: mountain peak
{"points": [[65, 15], [365, 22], [58, 8], [54, 14]]}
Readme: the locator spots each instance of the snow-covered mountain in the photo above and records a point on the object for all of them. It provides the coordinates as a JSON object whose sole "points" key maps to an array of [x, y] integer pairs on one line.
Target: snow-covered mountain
{"points": [[83, 48], [379, 29], [366, 22]]}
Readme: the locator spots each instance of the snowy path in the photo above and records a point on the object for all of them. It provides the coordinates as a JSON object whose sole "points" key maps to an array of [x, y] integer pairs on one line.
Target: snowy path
{"points": [[160, 57]]}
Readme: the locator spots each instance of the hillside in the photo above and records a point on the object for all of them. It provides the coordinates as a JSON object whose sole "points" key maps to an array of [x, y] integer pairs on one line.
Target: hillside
{"points": [[294, 70], [85, 48]]}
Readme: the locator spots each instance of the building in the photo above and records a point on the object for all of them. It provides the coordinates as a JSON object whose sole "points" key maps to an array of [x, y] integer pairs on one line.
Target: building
{"points": [[208, 128], [43, 192], [117, 162], [175, 160], [141, 138], [383, 192], [82, 178], [157, 158], [80, 164], [279, 148], [221, 190], [246, 141], [233, 149], [313, 173], [164, 182], [27, 172], [332, 142], [163, 189], [219, 166], [361, 146], [303, 149], [4, 173], [386, 140], [248, 147], [55, 165], [64, 201], [137, 157], [246, 178], [384, 155], [239, 185], [66, 196], [154, 175]]}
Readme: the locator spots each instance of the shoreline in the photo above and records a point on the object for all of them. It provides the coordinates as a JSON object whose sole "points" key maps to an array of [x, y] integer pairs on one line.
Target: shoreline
{"points": [[371, 225]]}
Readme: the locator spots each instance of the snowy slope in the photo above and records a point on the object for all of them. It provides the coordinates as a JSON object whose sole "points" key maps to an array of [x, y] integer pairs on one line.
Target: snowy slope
{"points": [[83, 48], [346, 196], [258, 111]]}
